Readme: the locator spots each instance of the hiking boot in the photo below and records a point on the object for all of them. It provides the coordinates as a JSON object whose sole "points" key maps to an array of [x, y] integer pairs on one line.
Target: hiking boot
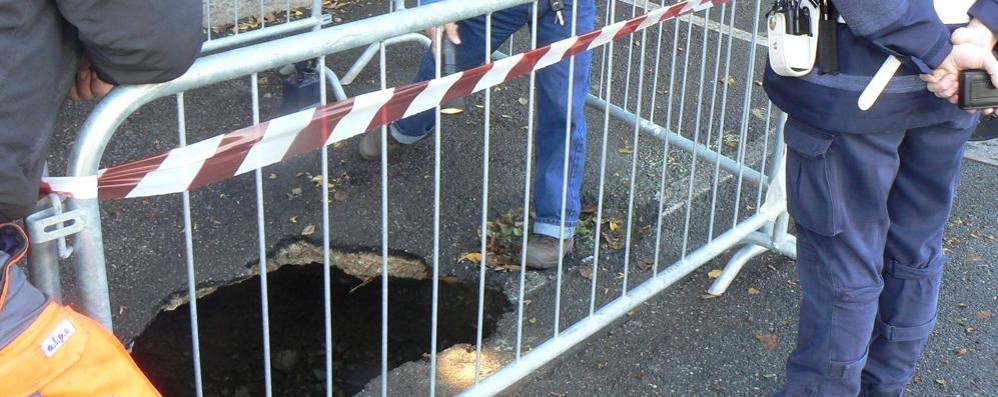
{"points": [[542, 251], [370, 146]]}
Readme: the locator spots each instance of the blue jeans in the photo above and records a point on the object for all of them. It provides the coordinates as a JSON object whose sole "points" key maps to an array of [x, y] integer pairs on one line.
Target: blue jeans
{"points": [[552, 100], [870, 211]]}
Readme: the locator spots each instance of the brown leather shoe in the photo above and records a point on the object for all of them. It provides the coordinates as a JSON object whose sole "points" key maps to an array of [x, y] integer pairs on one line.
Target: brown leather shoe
{"points": [[369, 146], [542, 251]]}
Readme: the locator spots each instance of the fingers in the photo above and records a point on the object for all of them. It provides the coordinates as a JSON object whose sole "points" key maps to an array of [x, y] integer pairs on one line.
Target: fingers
{"points": [[450, 30], [943, 87], [991, 65], [99, 88], [88, 85], [83, 84]]}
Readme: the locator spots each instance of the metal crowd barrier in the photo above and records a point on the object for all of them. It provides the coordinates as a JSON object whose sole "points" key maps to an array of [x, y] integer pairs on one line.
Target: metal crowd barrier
{"points": [[714, 135]]}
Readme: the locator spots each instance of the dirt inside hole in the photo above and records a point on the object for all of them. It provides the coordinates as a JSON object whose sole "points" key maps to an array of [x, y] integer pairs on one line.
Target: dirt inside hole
{"points": [[232, 343]]}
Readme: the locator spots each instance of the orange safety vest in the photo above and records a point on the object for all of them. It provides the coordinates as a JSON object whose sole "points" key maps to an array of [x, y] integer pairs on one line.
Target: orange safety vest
{"points": [[64, 353]]}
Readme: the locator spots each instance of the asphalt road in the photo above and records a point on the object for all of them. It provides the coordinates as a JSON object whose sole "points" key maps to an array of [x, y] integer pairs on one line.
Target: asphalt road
{"points": [[672, 346]]}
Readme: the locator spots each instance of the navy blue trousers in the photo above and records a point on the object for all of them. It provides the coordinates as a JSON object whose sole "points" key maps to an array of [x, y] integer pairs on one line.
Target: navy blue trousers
{"points": [[869, 212], [552, 104]]}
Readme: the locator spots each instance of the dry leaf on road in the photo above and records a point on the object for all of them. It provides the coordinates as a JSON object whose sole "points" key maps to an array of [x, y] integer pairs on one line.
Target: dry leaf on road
{"points": [[308, 231], [714, 273], [769, 341]]}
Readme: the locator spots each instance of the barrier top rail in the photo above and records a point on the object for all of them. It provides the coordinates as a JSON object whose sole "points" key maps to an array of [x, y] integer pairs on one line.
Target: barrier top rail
{"points": [[112, 111]]}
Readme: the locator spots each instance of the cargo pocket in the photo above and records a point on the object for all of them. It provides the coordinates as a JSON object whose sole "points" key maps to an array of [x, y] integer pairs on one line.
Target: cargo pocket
{"points": [[813, 197], [846, 369]]}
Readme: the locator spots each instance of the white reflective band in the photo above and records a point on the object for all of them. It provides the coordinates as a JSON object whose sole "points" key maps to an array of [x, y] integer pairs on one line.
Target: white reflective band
{"points": [[84, 187]]}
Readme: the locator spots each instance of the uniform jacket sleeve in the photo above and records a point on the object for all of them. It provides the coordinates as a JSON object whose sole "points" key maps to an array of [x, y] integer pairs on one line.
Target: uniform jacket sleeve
{"points": [[987, 12], [908, 28], [137, 41]]}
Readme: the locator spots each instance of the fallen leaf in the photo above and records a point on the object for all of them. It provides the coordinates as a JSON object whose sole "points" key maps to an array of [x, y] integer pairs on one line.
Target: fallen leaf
{"points": [[729, 81], [983, 314], [714, 273], [121, 309], [308, 231], [601, 365], [753, 291], [586, 272], [961, 351], [625, 150], [758, 83], [296, 191], [294, 219], [215, 221], [473, 257], [614, 225], [941, 381], [480, 106], [340, 196], [709, 296], [523, 101], [769, 341], [645, 264], [532, 320], [272, 176], [969, 330]]}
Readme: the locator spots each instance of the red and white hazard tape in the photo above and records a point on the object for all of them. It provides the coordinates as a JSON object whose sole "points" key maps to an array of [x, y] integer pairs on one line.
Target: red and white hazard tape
{"points": [[245, 150]]}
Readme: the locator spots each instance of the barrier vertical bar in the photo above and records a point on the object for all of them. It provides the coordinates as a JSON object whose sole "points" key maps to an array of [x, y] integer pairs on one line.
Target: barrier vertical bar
{"points": [[189, 258], [384, 241], [262, 248], [696, 131], [602, 168], [665, 150], [486, 137], [327, 279], [564, 176], [724, 108], [434, 326], [526, 190]]}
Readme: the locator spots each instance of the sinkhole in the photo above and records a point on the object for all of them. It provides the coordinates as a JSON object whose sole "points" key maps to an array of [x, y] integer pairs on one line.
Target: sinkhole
{"points": [[231, 332]]}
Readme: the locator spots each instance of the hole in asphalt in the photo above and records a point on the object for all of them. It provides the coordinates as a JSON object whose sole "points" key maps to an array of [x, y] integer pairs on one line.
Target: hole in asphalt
{"points": [[231, 332]]}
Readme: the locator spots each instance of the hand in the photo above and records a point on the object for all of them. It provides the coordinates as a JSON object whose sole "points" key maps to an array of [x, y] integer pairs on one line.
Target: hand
{"points": [[943, 82], [88, 84], [450, 31], [975, 33]]}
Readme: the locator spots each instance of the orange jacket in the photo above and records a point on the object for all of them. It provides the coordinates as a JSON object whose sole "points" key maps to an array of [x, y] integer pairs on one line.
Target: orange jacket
{"points": [[55, 351]]}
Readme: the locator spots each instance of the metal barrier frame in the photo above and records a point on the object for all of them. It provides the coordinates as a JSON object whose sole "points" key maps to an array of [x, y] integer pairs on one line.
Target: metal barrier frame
{"points": [[764, 231]]}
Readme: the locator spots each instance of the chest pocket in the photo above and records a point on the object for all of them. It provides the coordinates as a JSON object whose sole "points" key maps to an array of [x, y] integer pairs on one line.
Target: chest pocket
{"points": [[814, 190]]}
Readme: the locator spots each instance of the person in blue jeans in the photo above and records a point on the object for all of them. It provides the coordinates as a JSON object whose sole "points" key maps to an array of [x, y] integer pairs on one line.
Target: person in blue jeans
{"points": [[871, 191], [552, 96]]}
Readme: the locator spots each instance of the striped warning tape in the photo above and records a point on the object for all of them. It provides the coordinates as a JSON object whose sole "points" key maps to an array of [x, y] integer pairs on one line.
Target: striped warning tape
{"points": [[225, 156]]}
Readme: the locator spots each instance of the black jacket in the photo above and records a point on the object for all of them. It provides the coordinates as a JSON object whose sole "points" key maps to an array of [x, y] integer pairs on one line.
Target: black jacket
{"points": [[127, 42]]}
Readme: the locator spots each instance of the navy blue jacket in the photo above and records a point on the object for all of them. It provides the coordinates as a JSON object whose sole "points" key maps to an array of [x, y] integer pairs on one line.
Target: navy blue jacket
{"points": [[909, 29]]}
